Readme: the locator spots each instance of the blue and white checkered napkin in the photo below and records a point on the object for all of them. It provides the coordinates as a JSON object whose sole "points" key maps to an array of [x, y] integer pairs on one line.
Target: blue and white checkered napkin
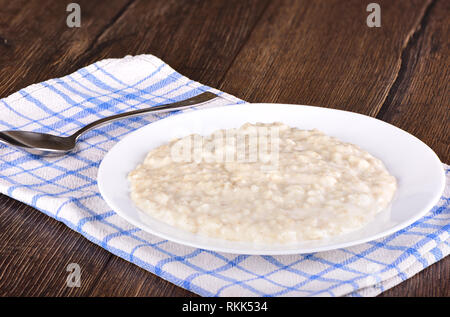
{"points": [[65, 188]]}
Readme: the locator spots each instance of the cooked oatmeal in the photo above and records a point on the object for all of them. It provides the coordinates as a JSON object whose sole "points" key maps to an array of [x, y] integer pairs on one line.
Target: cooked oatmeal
{"points": [[305, 185]]}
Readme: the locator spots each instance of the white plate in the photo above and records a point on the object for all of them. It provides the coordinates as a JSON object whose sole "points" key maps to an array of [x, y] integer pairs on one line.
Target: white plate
{"points": [[419, 172]]}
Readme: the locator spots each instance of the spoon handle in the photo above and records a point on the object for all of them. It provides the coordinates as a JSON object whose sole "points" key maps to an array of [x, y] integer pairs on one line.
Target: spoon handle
{"points": [[206, 96]]}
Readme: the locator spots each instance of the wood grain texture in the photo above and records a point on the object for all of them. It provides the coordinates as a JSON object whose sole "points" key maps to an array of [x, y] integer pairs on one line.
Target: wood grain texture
{"points": [[308, 52], [38, 45], [35, 251], [420, 98], [322, 53], [119, 278], [199, 39]]}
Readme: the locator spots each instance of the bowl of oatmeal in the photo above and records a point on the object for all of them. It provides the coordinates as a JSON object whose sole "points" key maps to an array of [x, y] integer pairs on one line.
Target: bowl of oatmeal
{"points": [[270, 179]]}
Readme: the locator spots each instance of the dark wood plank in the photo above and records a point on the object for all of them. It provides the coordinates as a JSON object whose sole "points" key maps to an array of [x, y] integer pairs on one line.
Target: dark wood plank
{"points": [[322, 53], [197, 38], [120, 278], [38, 45], [419, 100], [35, 251]]}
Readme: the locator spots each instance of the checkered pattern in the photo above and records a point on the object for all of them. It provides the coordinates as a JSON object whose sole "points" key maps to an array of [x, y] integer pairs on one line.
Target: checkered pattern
{"points": [[65, 188]]}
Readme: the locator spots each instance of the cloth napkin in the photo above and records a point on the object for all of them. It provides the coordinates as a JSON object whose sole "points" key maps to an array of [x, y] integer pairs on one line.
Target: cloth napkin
{"points": [[65, 188]]}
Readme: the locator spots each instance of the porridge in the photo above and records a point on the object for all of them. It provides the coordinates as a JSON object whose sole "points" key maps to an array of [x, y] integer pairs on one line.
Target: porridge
{"points": [[282, 185]]}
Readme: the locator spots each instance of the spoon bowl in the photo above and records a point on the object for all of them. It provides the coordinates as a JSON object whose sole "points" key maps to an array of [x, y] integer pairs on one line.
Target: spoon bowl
{"points": [[38, 143]]}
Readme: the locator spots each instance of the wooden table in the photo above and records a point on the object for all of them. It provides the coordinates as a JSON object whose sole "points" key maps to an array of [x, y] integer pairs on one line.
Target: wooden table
{"points": [[303, 52]]}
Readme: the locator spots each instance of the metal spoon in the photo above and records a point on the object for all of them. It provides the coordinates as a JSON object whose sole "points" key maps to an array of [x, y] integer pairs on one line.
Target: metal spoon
{"points": [[48, 144]]}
